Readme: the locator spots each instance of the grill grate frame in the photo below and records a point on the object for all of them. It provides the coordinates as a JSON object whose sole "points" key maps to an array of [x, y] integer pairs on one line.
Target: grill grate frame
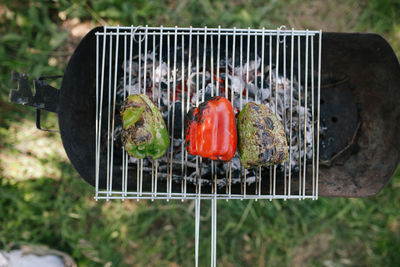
{"points": [[138, 38]]}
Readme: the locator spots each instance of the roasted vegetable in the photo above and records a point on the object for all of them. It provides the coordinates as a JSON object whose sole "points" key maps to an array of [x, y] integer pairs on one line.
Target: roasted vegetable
{"points": [[144, 132], [262, 139], [211, 130]]}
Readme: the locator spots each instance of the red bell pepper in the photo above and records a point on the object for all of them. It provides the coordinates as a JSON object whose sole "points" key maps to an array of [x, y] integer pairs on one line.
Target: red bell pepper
{"points": [[211, 130]]}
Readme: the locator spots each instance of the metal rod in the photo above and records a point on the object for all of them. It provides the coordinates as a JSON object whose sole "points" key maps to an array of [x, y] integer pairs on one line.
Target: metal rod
{"points": [[248, 66], [305, 115], [276, 98], [241, 97], [168, 105], [200, 181], [239, 32], [197, 104], [113, 109], [318, 110], [256, 100], [160, 65], [139, 170], [183, 183], [244, 182], [163, 195], [213, 232], [123, 148], [159, 99], [145, 61], [210, 30], [218, 57], [197, 70], [97, 115], [284, 112], [197, 229], [173, 108], [144, 92], [299, 109], [226, 86], [230, 179], [189, 70], [213, 164], [312, 115], [154, 101], [262, 88], [269, 31], [233, 63], [291, 111], [241, 73], [203, 85], [188, 100], [109, 116], [130, 83], [255, 70], [212, 66], [153, 70], [270, 103]]}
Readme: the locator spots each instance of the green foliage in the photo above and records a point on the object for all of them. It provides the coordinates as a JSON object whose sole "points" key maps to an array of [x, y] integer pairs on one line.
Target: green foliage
{"points": [[380, 15], [57, 208], [383, 17]]}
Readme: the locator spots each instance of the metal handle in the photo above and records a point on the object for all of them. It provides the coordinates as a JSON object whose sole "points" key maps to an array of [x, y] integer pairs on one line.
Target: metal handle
{"points": [[45, 97], [38, 123]]}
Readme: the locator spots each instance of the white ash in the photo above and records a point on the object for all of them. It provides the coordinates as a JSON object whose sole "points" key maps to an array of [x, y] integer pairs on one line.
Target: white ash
{"points": [[157, 85]]}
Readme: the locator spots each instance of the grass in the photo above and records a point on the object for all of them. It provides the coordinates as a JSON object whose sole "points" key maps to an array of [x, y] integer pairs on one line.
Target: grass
{"points": [[44, 201]]}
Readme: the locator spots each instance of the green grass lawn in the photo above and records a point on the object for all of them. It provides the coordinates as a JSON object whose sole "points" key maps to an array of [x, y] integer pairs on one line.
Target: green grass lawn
{"points": [[44, 201]]}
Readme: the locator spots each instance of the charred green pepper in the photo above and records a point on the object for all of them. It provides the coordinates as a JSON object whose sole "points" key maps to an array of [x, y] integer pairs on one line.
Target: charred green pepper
{"points": [[144, 132], [262, 139]]}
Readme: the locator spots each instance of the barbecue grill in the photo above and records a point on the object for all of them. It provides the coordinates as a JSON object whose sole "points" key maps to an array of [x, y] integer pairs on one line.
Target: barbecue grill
{"points": [[335, 93]]}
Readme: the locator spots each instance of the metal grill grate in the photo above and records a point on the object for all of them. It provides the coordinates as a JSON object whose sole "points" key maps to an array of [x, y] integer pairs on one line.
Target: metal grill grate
{"points": [[178, 68]]}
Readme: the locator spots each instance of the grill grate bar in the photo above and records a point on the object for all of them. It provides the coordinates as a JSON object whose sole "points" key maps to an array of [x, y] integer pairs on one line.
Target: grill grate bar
{"points": [[318, 111], [123, 149], [139, 169], [109, 115], [183, 189], [276, 97], [189, 196], [168, 105], [270, 100], [97, 157], [187, 106], [258, 180], [305, 117], [154, 100], [291, 111], [299, 106], [211, 30], [208, 33], [174, 70], [262, 86], [312, 115], [283, 112], [113, 110]]}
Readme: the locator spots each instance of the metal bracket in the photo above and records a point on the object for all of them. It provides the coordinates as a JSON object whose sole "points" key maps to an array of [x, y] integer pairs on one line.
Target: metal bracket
{"points": [[45, 97]]}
